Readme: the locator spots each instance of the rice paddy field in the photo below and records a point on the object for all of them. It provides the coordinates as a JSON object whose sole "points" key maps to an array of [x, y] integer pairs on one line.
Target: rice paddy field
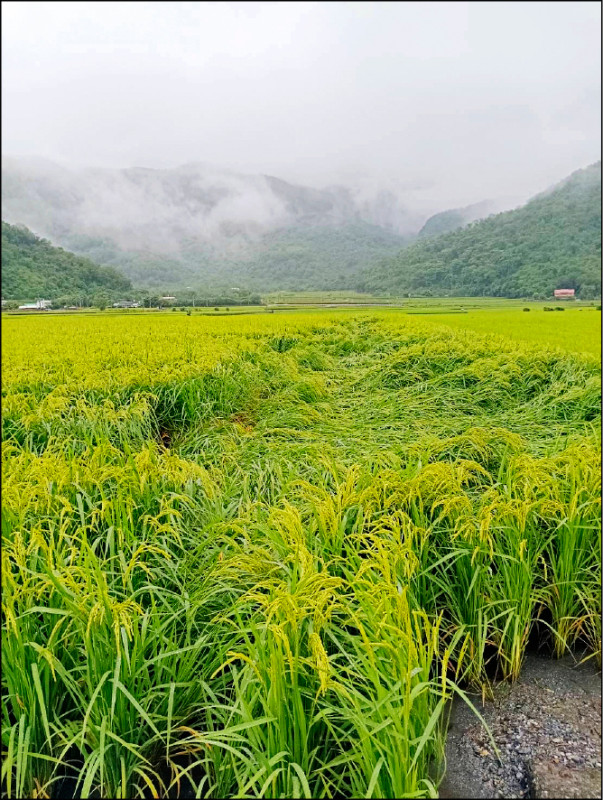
{"points": [[576, 329], [257, 556]]}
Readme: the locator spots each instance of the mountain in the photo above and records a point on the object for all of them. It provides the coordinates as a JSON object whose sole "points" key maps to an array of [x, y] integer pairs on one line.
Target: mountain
{"points": [[32, 268], [553, 241], [197, 224], [454, 218]]}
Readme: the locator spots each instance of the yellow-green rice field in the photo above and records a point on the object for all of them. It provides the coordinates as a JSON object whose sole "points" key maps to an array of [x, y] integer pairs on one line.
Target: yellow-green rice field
{"points": [[577, 330], [256, 556]]}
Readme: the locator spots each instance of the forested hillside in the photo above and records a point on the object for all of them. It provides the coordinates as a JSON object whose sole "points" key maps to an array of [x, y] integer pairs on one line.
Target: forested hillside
{"points": [[554, 241], [33, 268], [321, 257], [297, 258]]}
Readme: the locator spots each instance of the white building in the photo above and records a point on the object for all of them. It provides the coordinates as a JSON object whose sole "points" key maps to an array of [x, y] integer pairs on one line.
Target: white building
{"points": [[39, 305]]}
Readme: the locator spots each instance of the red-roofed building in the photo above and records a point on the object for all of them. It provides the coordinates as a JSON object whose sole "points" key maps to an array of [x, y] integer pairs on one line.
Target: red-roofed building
{"points": [[565, 294]]}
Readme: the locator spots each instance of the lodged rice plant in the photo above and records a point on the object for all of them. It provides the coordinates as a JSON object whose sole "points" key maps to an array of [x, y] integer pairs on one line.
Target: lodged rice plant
{"points": [[257, 556]]}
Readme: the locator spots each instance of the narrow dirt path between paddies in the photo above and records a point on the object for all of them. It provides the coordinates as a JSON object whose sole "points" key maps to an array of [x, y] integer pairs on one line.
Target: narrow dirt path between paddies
{"points": [[258, 557]]}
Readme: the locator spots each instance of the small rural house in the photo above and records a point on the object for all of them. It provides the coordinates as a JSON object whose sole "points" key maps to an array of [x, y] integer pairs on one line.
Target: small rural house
{"points": [[565, 294]]}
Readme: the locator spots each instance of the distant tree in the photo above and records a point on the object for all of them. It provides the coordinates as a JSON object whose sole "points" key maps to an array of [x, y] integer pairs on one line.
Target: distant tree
{"points": [[100, 300]]}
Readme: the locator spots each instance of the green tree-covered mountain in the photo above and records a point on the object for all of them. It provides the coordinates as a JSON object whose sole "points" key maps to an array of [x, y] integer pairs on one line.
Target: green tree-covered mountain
{"points": [[553, 241], [317, 257], [33, 268]]}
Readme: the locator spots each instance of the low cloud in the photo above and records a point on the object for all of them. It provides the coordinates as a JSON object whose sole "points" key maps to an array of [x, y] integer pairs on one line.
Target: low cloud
{"points": [[461, 101]]}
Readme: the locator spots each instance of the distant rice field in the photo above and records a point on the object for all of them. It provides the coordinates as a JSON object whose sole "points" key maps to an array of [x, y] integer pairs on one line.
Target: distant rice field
{"points": [[256, 556], [576, 330]]}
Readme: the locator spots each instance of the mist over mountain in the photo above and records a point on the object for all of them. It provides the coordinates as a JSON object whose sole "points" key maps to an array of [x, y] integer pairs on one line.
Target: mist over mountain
{"points": [[450, 220], [195, 222]]}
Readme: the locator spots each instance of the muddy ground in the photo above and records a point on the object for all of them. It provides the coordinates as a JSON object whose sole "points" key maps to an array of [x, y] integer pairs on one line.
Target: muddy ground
{"points": [[547, 727]]}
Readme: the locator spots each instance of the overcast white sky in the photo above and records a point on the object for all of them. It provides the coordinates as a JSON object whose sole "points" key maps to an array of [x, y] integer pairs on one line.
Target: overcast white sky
{"points": [[469, 100]]}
